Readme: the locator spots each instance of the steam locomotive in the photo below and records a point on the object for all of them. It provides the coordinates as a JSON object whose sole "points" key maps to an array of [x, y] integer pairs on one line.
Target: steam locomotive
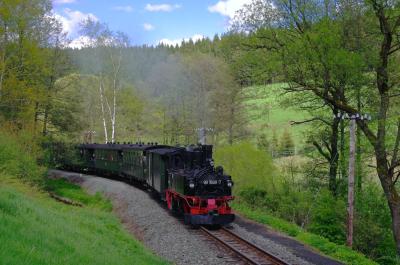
{"points": [[184, 177]]}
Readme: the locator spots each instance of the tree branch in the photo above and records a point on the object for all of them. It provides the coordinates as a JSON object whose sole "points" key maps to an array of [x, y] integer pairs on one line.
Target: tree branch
{"points": [[310, 120], [341, 105], [319, 148]]}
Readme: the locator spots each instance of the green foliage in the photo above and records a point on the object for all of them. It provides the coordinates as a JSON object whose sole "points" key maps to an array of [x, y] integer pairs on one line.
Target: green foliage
{"points": [[372, 225], [263, 143], [328, 215], [303, 201], [59, 154], [295, 203], [37, 230], [249, 166], [31, 60], [18, 157]]}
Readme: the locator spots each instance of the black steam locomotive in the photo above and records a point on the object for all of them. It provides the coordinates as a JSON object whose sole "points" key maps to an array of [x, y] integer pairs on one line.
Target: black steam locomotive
{"points": [[184, 177]]}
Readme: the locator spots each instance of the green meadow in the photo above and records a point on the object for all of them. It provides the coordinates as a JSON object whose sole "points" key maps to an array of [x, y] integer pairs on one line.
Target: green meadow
{"points": [[268, 116]]}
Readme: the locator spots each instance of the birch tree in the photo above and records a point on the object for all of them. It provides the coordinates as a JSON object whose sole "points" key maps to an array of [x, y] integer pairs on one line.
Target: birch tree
{"points": [[107, 49]]}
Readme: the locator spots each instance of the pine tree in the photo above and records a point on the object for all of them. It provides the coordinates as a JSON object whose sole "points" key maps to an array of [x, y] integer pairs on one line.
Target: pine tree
{"points": [[286, 147], [263, 143]]}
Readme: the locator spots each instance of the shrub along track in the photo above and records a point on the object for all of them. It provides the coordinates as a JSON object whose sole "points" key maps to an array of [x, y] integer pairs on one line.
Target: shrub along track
{"points": [[168, 237]]}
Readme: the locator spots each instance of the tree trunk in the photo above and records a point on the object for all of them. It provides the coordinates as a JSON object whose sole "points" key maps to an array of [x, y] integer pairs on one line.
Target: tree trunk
{"points": [[36, 117], [102, 111], [394, 205], [113, 114], [392, 196], [45, 119], [3, 58], [334, 156], [343, 171], [358, 149]]}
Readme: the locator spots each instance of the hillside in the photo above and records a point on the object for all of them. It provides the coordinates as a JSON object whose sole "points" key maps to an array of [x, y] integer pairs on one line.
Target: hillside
{"points": [[267, 115], [36, 229]]}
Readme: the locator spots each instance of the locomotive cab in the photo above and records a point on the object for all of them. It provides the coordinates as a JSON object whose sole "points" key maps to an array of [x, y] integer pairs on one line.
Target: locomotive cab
{"points": [[200, 190]]}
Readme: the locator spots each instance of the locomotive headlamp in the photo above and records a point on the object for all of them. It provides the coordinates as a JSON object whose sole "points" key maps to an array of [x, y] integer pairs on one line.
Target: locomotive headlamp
{"points": [[229, 184], [191, 185]]}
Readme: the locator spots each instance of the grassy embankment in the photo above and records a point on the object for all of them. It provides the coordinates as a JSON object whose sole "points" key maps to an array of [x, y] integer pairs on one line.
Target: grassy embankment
{"points": [[36, 229]]}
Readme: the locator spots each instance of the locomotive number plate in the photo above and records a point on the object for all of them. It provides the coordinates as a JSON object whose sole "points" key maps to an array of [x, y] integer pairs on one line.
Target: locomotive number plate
{"points": [[213, 182]]}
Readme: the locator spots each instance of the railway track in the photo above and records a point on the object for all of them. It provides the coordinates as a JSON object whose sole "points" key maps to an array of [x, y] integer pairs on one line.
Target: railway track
{"points": [[247, 251]]}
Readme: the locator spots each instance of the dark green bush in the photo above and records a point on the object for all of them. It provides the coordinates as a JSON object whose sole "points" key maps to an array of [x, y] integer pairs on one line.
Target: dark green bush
{"points": [[295, 204], [253, 196], [58, 154], [373, 234], [328, 217]]}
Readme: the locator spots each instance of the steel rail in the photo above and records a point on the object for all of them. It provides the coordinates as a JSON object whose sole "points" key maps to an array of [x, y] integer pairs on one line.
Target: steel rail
{"points": [[253, 253]]}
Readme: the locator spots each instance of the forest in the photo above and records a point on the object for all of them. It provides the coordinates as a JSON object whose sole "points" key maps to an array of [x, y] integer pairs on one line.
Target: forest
{"points": [[271, 93]]}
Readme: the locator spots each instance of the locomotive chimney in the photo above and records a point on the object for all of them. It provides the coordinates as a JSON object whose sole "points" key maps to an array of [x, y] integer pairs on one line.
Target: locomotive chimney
{"points": [[202, 135]]}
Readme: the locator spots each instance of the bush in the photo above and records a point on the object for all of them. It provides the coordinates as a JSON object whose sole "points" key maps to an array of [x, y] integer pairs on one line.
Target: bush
{"points": [[249, 166], [295, 204], [372, 233], [18, 157], [328, 217], [58, 154]]}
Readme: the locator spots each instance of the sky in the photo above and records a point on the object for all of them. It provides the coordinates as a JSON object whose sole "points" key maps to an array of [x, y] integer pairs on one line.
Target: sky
{"points": [[149, 21]]}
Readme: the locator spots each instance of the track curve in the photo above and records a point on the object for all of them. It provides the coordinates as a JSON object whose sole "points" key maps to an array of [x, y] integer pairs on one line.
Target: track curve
{"points": [[246, 250]]}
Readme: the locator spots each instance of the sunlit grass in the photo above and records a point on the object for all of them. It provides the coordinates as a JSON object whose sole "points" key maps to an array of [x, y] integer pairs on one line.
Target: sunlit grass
{"points": [[35, 229], [268, 115]]}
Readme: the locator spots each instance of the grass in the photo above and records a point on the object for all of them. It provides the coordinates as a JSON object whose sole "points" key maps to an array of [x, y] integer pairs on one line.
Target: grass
{"points": [[75, 193], [267, 114], [338, 252], [35, 229]]}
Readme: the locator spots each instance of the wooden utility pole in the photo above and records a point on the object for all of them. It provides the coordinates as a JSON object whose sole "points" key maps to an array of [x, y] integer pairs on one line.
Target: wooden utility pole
{"points": [[352, 159], [350, 192]]}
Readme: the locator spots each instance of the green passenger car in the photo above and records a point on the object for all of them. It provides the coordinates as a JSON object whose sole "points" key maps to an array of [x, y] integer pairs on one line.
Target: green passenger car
{"points": [[108, 160], [133, 164], [158, 161]]}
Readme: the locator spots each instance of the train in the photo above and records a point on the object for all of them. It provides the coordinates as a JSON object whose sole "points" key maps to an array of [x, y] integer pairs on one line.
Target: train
{"points": [[185, 178]]}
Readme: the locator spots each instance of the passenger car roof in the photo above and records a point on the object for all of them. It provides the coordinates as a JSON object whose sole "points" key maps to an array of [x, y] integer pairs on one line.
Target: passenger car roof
{"points": [[123, 146]]}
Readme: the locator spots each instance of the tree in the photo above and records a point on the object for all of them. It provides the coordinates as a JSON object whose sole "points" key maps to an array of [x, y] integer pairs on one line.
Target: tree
{"points": [[30, 60], [287, 147], [108, 47], [320, 64]]}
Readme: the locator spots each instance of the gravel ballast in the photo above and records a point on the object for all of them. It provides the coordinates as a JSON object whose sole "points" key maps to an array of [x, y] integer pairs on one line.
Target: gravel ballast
{"points": [[166, 235]]}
